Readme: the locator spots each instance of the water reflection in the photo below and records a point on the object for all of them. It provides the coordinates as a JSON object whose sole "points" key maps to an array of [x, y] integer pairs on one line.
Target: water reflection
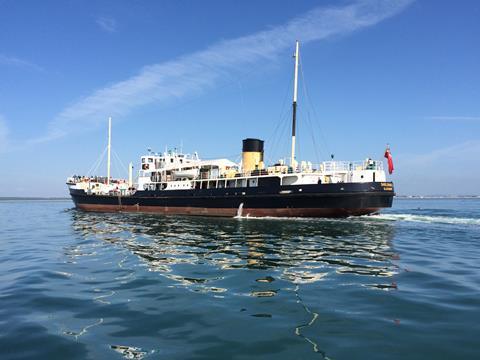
{"points": [[201, 254], [304, 251]]}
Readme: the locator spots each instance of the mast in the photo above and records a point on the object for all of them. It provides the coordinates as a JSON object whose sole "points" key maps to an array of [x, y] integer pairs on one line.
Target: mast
{"points": [[294, 105], [130, 175], [109, 148]]}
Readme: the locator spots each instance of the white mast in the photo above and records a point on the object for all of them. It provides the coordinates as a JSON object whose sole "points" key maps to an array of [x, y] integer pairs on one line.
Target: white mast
{"points": [[294, 106], [130, 175], [109, 148]]}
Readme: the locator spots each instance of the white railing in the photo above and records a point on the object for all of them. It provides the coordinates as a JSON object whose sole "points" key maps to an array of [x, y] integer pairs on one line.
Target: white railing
{"points": [[351, 165]]}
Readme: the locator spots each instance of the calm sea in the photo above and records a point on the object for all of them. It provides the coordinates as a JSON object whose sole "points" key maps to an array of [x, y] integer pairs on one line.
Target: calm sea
{"points": [[401, 285]]}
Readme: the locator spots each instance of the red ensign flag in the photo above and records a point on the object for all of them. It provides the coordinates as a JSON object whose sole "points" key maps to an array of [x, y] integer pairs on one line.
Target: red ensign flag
{"points": [[388, 155]]}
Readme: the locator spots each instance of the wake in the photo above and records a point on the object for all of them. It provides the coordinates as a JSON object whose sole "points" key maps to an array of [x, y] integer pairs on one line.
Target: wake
{"points": [[448, 220], [427, 219]]}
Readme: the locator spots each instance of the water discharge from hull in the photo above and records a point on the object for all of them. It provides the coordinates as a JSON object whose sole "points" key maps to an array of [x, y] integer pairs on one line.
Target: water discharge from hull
{"points": [[240, 210]]}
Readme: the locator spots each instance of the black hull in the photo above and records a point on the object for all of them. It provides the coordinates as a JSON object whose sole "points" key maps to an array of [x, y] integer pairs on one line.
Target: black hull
{"points": [[322, 200]]}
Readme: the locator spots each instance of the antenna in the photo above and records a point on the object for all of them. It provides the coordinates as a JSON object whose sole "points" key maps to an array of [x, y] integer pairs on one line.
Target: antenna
{"points": [[294, 105]]}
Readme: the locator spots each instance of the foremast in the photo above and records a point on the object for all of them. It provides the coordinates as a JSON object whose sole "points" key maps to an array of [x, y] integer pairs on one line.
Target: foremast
{"points": [[109, 148]]}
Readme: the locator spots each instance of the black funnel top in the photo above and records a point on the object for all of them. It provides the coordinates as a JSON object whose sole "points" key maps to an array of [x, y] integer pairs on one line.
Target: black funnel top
{"points": [[253, 145]]}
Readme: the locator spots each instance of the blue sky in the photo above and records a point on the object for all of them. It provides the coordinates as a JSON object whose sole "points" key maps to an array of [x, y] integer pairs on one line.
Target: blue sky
{"points": [[207, 74]]}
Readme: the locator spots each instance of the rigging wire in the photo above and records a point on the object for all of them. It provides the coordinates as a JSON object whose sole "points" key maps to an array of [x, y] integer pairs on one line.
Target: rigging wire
{"points": [[100, 160], [310, 103], [119, 160], [281, 123], [283, 108], [97, 162], [117, 170], [278, 146], [311, 131], [231, 156]]}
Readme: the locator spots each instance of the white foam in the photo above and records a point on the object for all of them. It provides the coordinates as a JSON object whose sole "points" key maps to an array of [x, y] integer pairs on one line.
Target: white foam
{"points": [[282, 218], [388, 217], [427, 219]]}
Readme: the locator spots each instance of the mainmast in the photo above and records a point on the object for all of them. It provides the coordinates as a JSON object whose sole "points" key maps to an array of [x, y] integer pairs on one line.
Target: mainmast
{"points": [[109, 148], [294, 120]]}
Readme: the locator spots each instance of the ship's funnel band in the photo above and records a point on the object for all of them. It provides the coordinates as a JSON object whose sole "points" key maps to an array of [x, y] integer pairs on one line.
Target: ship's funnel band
{"points": [[252, 145]]}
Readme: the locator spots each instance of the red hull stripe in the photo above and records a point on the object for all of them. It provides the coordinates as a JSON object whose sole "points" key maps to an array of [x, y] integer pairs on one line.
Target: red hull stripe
{"points": [[230, 212]]}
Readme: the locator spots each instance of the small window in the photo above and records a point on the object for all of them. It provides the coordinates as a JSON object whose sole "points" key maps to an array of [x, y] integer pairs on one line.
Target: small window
{"points": [[150, 160], [171, 160], [143, 160]]}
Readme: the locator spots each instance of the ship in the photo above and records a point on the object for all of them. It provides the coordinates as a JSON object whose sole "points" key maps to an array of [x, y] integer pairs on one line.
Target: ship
{"points": [[177, 183]]}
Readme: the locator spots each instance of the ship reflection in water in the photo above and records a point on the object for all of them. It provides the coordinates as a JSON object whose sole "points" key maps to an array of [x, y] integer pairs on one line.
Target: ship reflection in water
{"points": [[298, 250], [293, 261]]}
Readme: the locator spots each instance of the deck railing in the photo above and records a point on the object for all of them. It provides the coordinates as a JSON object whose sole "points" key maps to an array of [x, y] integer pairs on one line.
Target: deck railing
{"points": [[351, 165]]}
